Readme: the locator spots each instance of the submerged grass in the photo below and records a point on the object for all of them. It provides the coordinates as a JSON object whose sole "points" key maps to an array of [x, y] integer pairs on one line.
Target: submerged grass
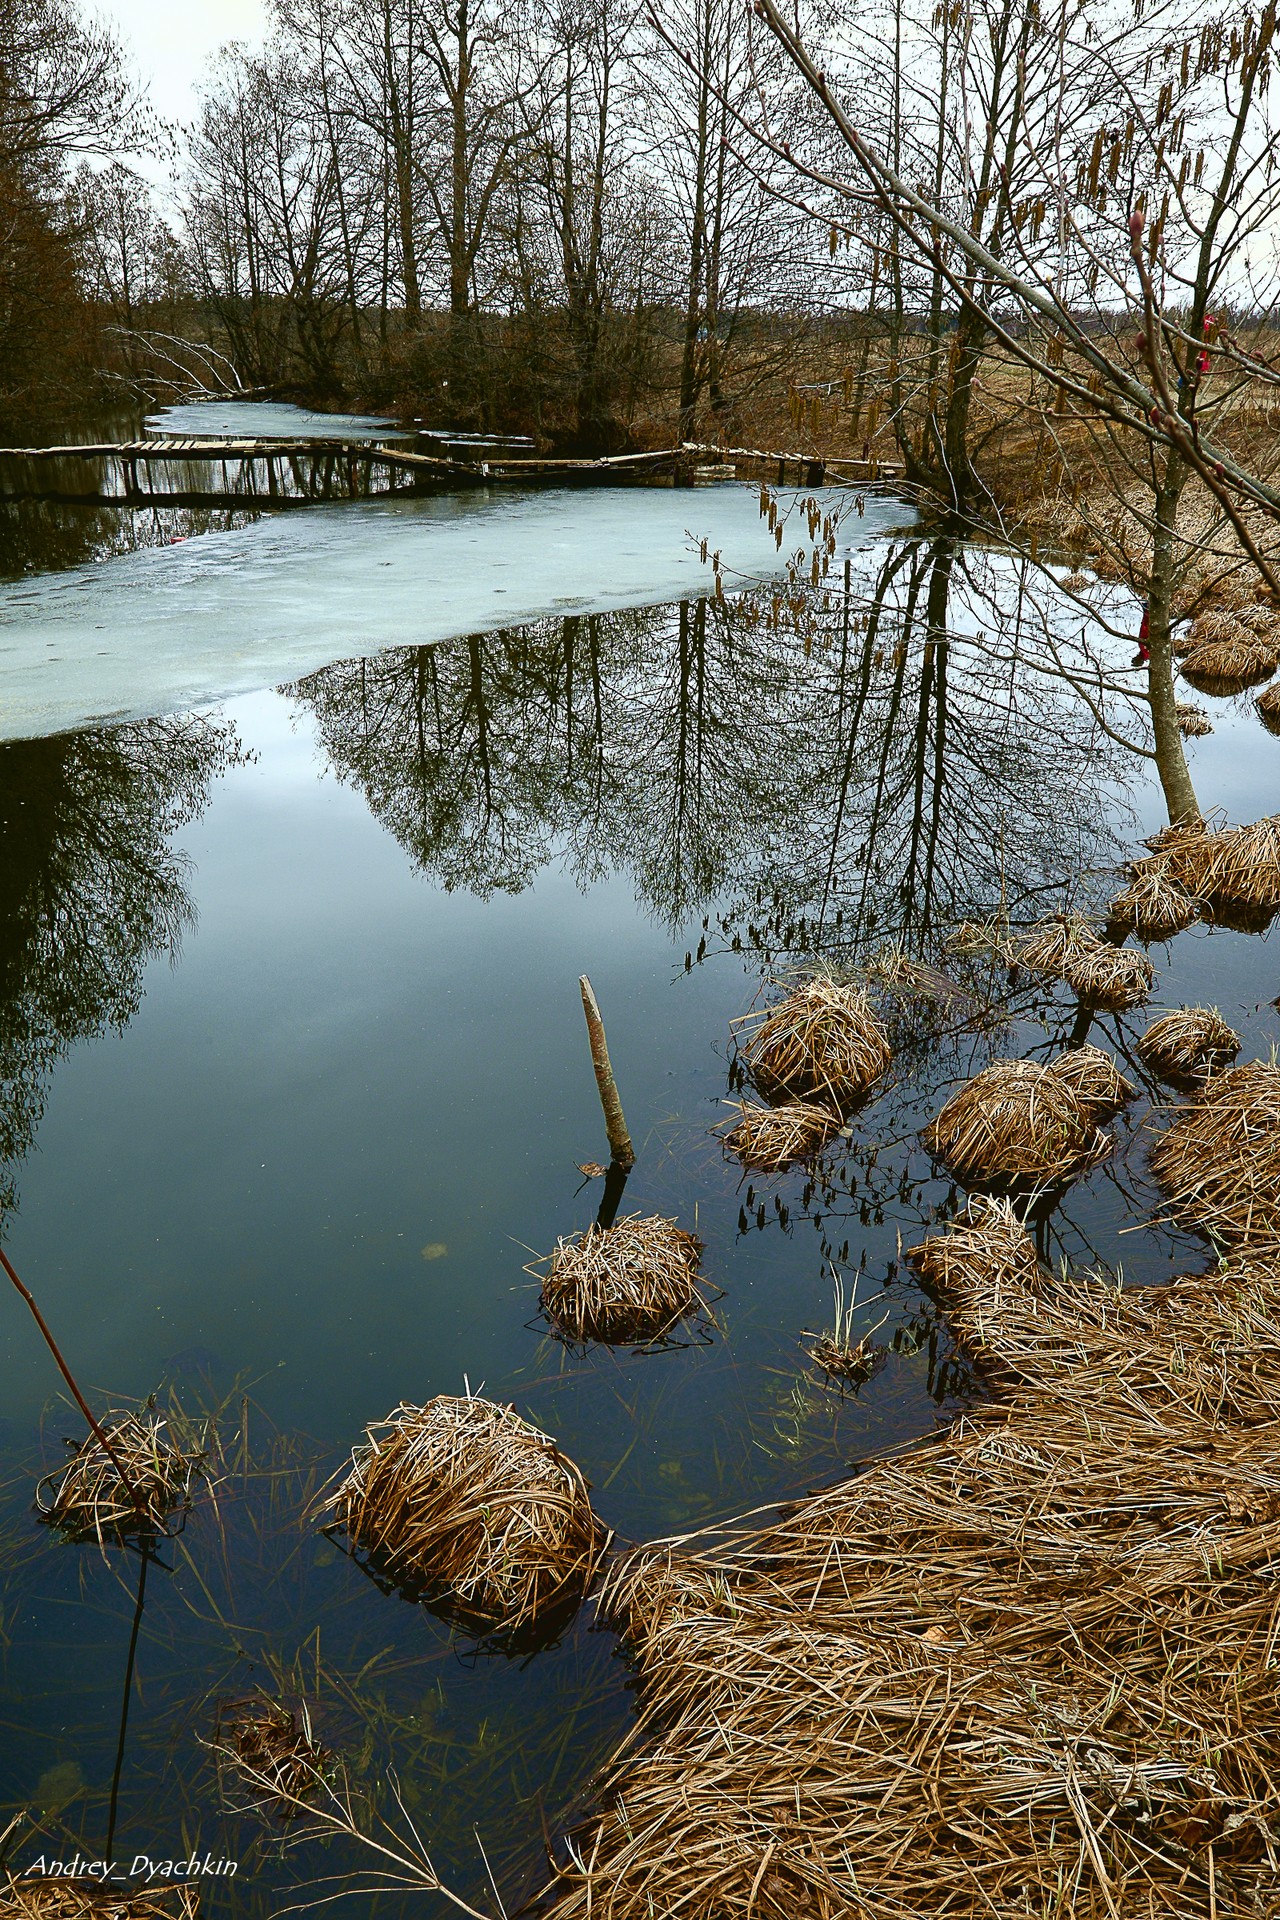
{"points": [[23, 1898]]}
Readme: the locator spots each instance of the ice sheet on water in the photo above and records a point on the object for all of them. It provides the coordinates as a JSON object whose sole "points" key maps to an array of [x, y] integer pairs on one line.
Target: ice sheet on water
{"points": [[266, 420], [166, 628]]}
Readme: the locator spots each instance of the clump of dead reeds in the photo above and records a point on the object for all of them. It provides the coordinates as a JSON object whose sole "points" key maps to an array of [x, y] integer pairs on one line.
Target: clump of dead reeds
{"points": [[1216, 626], [823, 1043], [1110, 978], [1016, 1125], [851, 1362], [1224, 667], [26, 1896], [1153, 905], [769, 1139], [973, 938], [469, 1507], [1052, 944], [1260, 619], [1193, 721], [87, 1499], [941, 1685], [988, 1236], [1187, 1045], [1267, 707], [631, 1282], [1219, 1160], [270, 1749], [1236, 872], [1095, 1079]]}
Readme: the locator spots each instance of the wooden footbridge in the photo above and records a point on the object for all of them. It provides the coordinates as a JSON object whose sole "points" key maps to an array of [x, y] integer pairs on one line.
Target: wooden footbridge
{"points": [[274, 473]]}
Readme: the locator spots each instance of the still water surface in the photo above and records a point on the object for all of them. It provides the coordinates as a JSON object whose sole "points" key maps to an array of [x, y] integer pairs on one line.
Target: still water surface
{"points": [[295, 1083]]}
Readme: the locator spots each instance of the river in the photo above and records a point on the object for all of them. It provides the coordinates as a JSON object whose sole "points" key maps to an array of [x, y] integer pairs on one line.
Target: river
{"points": [[295, 1081]]}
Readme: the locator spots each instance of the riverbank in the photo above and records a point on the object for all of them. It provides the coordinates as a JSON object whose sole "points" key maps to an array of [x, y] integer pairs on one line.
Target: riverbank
{"points": [[1026, 1667]]}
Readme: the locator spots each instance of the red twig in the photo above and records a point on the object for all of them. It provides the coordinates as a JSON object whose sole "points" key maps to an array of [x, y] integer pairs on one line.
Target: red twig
{"points": [[98, 1432]]}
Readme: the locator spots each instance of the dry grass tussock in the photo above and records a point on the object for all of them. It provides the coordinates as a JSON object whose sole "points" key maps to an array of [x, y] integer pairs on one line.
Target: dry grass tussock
{"points": [[269, 1749], [87, 1499], [1111, 979], [1184, 1046], [629, 1282], [1224, 667], [1233, 872], [767, 1139], [58, 1899], [1067, 947], [1026, 1668], [1267, 707], [1022, 1126], [1095, 1079], [467, 1506], [1051, 944], [822, 1043], [1214, 627], [1219, 1160], [1153, 905], [1193, 721]]}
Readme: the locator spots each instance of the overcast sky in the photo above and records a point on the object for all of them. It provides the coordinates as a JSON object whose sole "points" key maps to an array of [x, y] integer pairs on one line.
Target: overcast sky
{"points": [[171, 40]]}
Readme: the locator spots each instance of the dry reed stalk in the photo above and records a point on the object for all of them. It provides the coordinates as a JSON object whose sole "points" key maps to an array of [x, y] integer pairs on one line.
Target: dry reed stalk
{"points": [[1051, 945], [87, 1500], [631, 1282], [1110, 978], [1153, 905], [1193, 721], [1016, 1125], [465, 1504], [1187, 1045], [822, 1043], [270, 1749], [1219, 1160], [1267, 707], [769, 1139], [1222, 667], [38, 1898]]}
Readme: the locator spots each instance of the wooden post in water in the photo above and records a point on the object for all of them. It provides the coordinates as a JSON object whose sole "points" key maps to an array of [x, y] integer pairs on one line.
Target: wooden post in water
{"points": [[621, 1150]]}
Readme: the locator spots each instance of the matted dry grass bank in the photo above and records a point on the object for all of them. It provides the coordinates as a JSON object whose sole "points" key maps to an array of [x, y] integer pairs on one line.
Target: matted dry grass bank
{"points": [[1030, 1667]]}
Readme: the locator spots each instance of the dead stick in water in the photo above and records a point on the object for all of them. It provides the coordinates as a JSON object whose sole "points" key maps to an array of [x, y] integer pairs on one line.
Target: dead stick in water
{"points": [[620, 1147], [80, 1400]]}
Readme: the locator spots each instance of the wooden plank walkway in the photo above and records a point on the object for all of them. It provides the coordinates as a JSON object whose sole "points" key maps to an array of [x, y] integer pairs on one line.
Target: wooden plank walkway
{"points": [[325, 469]]}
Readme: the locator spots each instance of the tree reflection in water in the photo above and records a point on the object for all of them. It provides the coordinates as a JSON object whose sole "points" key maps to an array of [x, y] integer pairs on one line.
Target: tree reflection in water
{"points": [[845, 771], [90, 890]]}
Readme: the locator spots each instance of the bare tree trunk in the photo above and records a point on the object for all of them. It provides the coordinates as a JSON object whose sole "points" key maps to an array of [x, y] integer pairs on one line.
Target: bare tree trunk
{"points": [[1171, 758]]}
